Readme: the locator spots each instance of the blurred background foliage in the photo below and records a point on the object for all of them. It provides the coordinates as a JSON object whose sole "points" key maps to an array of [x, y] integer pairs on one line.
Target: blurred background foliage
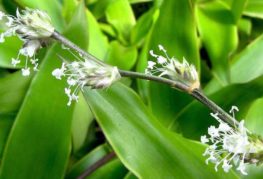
{"points": [[144, 129]]}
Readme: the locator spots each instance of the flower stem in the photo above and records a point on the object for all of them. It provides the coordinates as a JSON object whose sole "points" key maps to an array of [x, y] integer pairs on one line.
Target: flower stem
{"points": [[196, 93], [200, 96]]}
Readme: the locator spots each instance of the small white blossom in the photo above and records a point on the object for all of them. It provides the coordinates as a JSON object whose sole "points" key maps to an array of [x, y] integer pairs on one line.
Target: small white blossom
{"points": [[242, 168], [25, 71], [33, 27], [15, 61], [85, 72], [173, 69], [151, 64], [229, 143], [204, 139], [1, 15], [226, 166]]}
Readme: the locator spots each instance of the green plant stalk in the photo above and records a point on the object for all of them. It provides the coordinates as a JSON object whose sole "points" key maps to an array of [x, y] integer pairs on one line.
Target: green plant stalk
{"points": [[196, 93]]}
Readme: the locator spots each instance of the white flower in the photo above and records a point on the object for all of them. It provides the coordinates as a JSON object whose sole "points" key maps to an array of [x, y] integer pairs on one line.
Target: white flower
{"points": [[30, 48], [231, 143], [15, 62], [1, 15], [33, 27], [151, 64], [204, 139], [226, 166], [152, 54], [58, 73], [242, 168], [173, 69], [85, 73], [161, 60], [161, 48], [25, 71]]}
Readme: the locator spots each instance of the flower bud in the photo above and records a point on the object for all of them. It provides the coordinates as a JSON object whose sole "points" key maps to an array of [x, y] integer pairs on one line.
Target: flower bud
{"points": [[173, 69], [34, 28], [85, 73]]}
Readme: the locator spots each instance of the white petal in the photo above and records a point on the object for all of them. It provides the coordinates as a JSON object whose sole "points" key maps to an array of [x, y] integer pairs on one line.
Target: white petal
{"points": [[15, 61], [151, 64], [2, 38], [161, 48], [161, 59], [58, 73], [152, 54], [2, 14], [25, 71], [204, 139]]}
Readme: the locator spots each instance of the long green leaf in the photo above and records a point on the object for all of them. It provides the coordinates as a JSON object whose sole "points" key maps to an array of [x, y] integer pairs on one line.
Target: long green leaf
{"points": [[119, 14], [39, 143], [141, 143], [175, 29], [13, 88], [8, 50], [248, 64], [254, 8], [218, 33]]}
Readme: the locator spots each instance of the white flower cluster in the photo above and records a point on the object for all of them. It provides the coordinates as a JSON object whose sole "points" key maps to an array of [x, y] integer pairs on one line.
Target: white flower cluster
{"points": [[232, 144], [85, 73], [34, 28], [173, 69]]}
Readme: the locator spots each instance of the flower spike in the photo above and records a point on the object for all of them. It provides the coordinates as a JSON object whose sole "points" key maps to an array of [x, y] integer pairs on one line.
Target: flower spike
{"points": [[234, 145], [173, 69], [34, 28], [85, 72]]}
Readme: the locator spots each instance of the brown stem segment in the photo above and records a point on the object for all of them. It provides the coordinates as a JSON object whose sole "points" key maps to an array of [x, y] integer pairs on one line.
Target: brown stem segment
{"points": [[197, 94], [96, 165]]}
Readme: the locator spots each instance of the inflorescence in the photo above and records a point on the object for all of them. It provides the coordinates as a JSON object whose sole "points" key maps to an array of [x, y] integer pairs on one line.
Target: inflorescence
{"points": [[85, 72], [173, 69], [230, 145], [34, 28]]}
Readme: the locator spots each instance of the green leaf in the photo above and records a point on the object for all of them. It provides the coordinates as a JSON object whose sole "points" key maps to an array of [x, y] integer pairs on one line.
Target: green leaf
{"points": [[175, 29], [254, 8], [8, 50], [254, 117], [139, 1], [244, 68], [141, 29], [119, 14], [98, 42], [130, 176], [218, 33], [87, 161], [68, 9], [245, 26], [53, 8], [237, 8], [141, 143], [13, 88], [121, 56], [40, 136], [112, 169], [81, 122], [248, 64], [98, 9], [254, 123], [6, 123]]}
